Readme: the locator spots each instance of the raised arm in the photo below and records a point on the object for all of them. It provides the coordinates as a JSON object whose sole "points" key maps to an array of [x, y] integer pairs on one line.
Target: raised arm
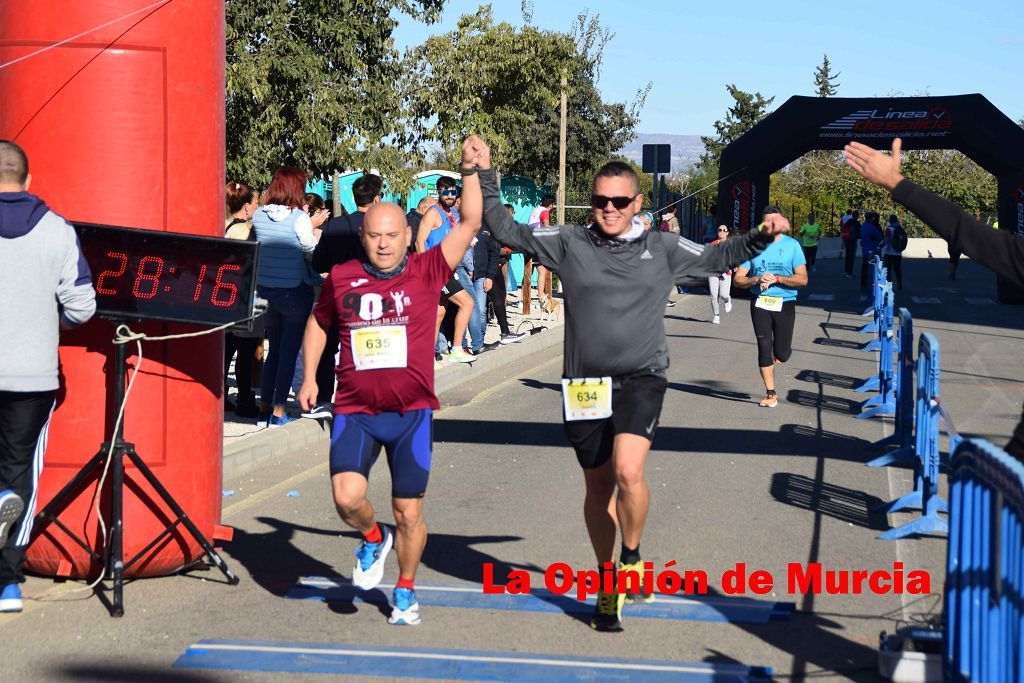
{"points": [[547, 243], [456, 243]]}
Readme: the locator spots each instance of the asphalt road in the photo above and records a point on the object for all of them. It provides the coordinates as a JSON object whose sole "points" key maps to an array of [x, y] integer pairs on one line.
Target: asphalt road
{"points": [[730, 482]]}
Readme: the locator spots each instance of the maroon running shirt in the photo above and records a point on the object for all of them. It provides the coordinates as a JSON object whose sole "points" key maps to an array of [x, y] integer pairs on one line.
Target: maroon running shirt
{"points": [[387, 328]]}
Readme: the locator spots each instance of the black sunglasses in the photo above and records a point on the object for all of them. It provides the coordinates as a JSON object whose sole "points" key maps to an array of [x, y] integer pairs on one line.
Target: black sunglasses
{"points": [[599, 201], [449, 193]]}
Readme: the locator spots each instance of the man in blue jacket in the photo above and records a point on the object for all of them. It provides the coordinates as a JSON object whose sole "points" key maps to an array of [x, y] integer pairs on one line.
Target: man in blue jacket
{"points": [[871, 237], [40, 260]]}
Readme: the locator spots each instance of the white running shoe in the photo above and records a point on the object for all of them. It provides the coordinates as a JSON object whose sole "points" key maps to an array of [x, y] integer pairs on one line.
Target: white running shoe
{"points": [[370, 558], [11, 507], [406, 609], [716, 320], [728, 305]]}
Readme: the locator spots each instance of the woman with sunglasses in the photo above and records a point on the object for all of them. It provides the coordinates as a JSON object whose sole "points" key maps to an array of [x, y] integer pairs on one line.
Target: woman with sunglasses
{"points": [[615, 277], [720, 284]]}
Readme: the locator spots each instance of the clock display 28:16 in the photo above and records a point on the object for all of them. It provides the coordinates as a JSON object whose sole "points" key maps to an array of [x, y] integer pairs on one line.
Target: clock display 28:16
{"points": [[147, 277]]}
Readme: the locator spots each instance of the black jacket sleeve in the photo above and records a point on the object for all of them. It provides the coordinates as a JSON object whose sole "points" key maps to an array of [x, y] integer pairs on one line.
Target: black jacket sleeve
{"points": [[338, 243], [998, 250]]}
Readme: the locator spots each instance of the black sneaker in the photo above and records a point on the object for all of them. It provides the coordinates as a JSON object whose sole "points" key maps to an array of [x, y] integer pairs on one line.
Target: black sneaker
{"points": [[639, 597], [513, 337], [609, 610]]}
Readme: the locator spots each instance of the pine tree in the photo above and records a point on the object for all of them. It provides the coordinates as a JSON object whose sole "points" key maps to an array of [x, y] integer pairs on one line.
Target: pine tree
{"points": [[746, 112], [824, 79]]}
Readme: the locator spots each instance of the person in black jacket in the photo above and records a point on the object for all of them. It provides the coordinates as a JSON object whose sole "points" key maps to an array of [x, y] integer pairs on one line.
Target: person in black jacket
{"points": [[485, 272], [998, 250]]}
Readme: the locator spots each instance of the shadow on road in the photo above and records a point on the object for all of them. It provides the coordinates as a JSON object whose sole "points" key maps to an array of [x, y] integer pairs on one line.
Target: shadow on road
{"points": [[838, 502], [790, 439]]}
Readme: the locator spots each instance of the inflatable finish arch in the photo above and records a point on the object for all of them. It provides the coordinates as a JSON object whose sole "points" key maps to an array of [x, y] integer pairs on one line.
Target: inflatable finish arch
{"points": [[119, 105], [968, 123]]}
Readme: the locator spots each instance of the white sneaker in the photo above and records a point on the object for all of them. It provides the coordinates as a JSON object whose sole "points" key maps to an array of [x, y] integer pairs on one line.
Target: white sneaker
{"points": [[324, 411], [728, 305], [11, 507], [716, 320], [370, 558]]}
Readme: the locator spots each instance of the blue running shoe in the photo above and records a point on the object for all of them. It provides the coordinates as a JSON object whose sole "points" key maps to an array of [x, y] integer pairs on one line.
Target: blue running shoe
{"points": [[275, 421], [370, 558], [11, 507], [10, 598], [406, 611]]}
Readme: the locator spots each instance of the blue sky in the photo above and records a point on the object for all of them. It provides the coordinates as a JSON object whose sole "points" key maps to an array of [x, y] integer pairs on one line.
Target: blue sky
{"points": [[690, 50]]}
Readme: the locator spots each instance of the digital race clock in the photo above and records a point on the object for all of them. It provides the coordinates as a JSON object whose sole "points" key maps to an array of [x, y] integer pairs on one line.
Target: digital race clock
{"points": [[144, 274]]}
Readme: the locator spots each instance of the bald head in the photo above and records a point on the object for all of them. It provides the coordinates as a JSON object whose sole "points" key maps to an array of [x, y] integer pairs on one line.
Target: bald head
{"points": [[424, 204], [385, 236], [384, 213], [13, 166]]}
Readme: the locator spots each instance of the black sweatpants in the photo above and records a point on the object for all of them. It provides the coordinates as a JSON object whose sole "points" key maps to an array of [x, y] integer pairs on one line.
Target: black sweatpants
{"points": [[325, 369], [894, 267], [245, 348], [497, 297], [774, 332], [849, 253], [24, 422], [811, 255]]}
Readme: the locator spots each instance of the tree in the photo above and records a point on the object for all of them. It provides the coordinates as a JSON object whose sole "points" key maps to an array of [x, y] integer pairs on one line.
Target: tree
{"points": [[824, 79], [745, 113], [312, 83], [503, 82]]}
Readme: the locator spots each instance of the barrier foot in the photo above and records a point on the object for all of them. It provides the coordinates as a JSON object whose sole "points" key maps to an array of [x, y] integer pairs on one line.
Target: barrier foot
{"points": [[873, 345], [900, 456], [911, 501], [876, 401], [870, 384], [869, 328], [890, 440], [888, 408], [929, 524], [868, 311]]}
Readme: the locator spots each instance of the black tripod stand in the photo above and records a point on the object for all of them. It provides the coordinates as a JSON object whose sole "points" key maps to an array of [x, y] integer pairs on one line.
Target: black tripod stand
{"points": [[115, 565]]}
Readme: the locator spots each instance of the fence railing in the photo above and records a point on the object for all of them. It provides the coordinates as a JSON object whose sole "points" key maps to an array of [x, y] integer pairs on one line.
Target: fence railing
{"points": [[984, 596]]}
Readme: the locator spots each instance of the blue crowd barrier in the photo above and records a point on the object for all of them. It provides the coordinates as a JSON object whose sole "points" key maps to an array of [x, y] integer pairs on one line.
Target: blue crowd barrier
{"points": [[886, 302], [984, 593], [878, 278], [903, 387], [925, 496], [885, 402]]}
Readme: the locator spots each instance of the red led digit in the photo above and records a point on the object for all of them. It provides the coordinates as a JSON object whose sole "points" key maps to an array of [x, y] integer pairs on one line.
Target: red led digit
{"points": [[152, 278], [231, 288], [112, 273], [199, 285]]}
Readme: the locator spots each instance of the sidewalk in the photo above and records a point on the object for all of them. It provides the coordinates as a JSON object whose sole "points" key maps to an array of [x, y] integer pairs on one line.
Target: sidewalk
{"points": [[248, 443]]}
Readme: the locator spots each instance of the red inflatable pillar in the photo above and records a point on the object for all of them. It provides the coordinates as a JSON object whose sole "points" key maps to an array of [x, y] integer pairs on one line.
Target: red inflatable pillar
{"points": [[123, 124]]}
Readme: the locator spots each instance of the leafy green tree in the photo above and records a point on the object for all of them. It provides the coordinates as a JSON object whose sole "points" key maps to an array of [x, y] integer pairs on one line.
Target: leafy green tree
{"points": [[312, 83], [824, 80], [746, 111], [503, 82]]}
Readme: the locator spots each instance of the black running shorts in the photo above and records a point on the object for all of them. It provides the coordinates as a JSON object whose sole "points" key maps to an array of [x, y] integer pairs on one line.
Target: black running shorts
{"points": [[452, 288], [636, 409]]}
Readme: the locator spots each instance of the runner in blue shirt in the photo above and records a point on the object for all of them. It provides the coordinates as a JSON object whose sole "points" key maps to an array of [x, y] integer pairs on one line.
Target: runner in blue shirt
{"points": [[777, 272]]}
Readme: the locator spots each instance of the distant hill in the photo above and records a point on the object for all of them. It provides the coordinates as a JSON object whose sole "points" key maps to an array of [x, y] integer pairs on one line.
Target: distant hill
{"points": [[686, 149]]}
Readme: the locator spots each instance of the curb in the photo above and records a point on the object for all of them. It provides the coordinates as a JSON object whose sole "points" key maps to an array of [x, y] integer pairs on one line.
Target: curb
{"points": [[263, 447]]}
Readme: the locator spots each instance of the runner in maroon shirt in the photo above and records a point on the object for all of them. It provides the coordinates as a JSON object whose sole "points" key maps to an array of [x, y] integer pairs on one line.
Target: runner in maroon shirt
{"points": [[385, 309]]}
